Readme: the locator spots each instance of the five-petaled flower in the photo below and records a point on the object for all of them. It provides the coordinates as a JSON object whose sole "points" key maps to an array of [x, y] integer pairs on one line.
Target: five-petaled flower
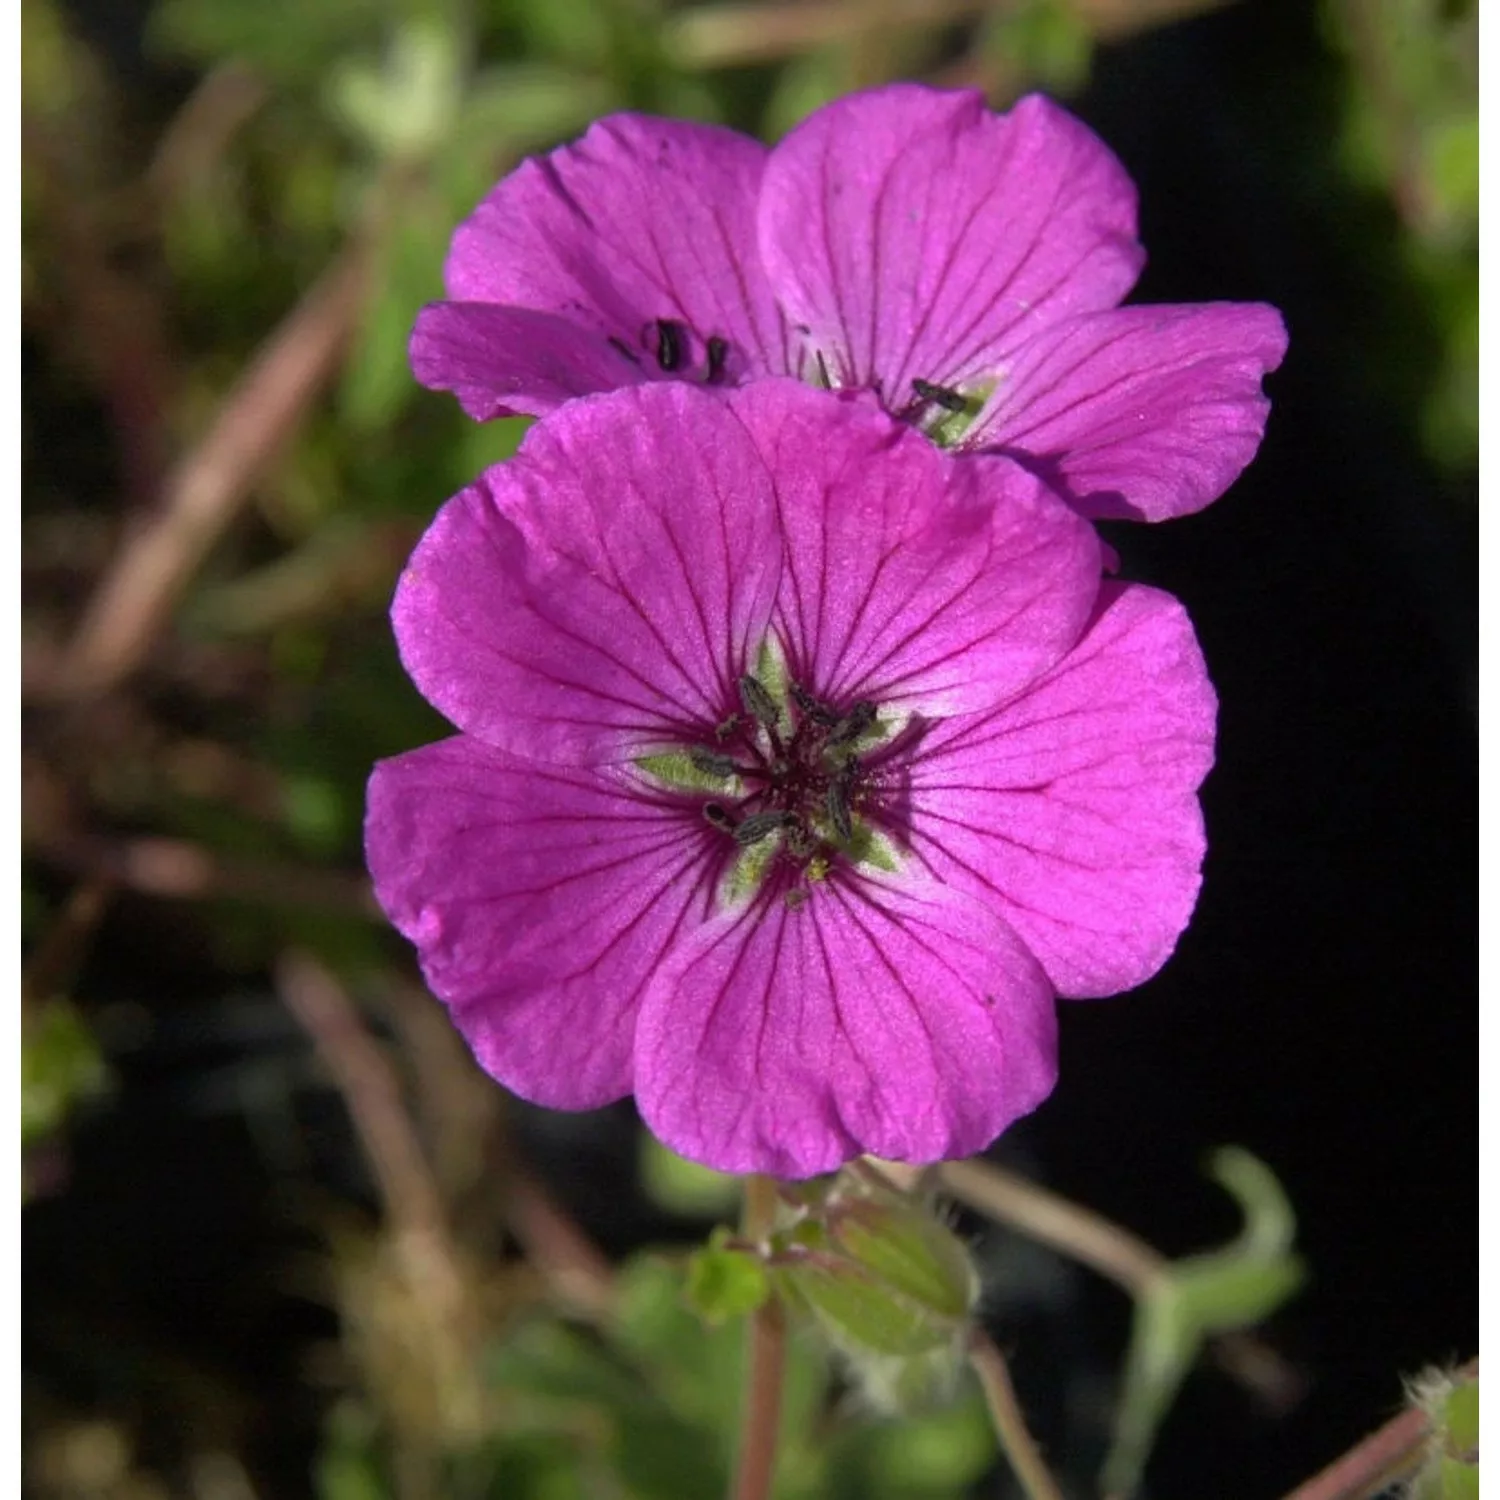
{"points": [[801, 766], [965, 266]]}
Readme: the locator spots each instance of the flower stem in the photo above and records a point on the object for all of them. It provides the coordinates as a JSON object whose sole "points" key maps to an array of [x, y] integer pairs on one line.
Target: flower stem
{"points": [[1053, 1220], [1010, 1426], [755, 1469], [1374, 1465]]}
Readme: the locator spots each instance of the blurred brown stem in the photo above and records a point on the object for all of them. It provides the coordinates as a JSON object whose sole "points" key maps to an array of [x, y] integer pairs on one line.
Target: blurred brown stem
{"points": [[1041, 1215], [207, 487], [176, 869], [60, 950], [765, 1364], [724, 36], [732, 35], [1016, 1442], [370, 1089]]}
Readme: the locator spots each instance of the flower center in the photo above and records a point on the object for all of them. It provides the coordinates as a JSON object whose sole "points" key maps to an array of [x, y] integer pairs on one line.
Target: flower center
{"points": [[803, 780], [790, 786]]}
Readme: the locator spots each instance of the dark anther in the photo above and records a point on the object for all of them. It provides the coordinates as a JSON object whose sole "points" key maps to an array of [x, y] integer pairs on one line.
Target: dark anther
{"points": [[762, 825], [717, 816], [840, 813], [718, 357], [759, 704], [811, 709], [854, 723], [671, 344], [727, 728], [941, 395], [711, 763], [621, 347]]}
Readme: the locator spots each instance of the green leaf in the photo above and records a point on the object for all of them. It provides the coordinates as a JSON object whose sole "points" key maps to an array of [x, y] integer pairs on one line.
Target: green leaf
{"points": [[1045, 42], [1199, 1296], [1460, 1417], [61, 1066], [403, 106], [1460, 1481], [724, 1284]]}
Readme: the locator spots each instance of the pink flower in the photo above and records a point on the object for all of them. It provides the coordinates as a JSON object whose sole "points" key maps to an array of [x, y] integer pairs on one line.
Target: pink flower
{"points": [[965, 266], [800, 766]]}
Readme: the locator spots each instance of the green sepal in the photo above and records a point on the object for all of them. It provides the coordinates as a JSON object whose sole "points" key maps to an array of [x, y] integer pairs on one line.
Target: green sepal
{"points": [[858, 1312], [910, 1251]]}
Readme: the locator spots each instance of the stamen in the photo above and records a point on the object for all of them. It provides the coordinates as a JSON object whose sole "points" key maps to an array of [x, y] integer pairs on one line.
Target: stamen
{"points": [[671, 344], [854, 723], [840, 813], [724, 730], [711, 763], [718, 356], [941, 395], [717, 816], [819, 713], [762, 825], [759, 704]]}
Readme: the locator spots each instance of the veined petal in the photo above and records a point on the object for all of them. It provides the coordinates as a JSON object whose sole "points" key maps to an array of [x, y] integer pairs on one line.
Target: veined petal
{"points": [[501, 361], [603, 586], [641, 219], [541, 903], [1141, 412], [912, 578], [1074, 808], [911, 1024], [916, 235]]}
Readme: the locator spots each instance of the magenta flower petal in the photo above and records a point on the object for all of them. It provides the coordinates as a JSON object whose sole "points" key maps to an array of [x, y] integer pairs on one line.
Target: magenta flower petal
{"points": [[894, 550], [642, 220], [1142, 412], [1074, 807], [612, 579], [903, 1023], [917, 236], [813, 764], [542, 902], [501, 361]]}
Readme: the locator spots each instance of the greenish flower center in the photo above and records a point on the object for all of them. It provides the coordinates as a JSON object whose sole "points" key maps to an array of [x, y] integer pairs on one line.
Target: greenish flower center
{"points": [[789, 787]]}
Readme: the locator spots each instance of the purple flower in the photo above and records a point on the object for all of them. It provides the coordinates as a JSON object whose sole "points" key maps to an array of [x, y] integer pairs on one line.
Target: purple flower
{"points": [[800, 766], [963, 265]]}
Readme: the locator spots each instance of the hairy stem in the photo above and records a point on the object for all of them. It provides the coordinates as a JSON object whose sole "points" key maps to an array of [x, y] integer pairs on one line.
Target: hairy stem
{"points": [[1393, 1452], [1044, 1216], [1010, 1426], [755, 1469]]}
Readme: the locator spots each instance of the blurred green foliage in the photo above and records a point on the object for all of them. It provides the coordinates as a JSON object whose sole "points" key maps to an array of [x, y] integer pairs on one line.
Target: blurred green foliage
{"points": [[1410, 132], [647, 1407]]}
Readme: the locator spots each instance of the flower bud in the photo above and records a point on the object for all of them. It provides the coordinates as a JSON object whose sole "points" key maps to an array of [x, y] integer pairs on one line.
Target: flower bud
{"points": [[889, 1286]]}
